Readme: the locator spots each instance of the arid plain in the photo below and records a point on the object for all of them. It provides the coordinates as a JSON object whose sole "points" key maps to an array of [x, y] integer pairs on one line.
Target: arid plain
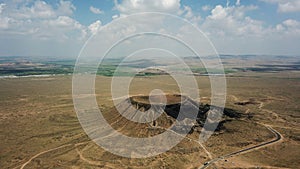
{"points": [[39, 127]]}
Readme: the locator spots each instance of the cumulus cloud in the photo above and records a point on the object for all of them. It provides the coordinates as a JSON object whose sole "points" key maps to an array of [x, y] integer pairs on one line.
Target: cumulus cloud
{"points": [[133, 6], [291, 23], [65, 8], [232, 30], [231, 20], [40, 9], [37, 10], [286, 6], [229, 26], [95, 10], [293, 6], [63, 22], [289, 27], [39, 28], [174, 7], [40, 20], [94, 27], [188, 12], [218, 13]]}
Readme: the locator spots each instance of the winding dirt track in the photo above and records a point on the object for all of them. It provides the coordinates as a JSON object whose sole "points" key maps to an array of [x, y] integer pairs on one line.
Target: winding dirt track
{"points": [[44, 152], [277, 139], [53, 149], [196, 141]]}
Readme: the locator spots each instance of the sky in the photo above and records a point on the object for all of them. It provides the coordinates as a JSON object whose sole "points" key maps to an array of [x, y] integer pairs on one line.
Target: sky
{"points": [[60, 28]]}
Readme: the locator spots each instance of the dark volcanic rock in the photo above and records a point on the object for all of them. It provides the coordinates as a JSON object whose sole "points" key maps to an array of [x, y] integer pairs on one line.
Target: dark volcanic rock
{"points": [[179, 108]]}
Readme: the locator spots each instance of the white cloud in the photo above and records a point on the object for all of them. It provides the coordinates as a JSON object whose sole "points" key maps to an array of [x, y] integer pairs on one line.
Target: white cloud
{"points": [[41, 21], [286, 6], [62, 28], [30, 27], [133, 6], [2, 6], [227, 3], [115, 16], [4, 22], [65, 8], [126, 7], [233, 31], [39, 10], [293, 6], [206, 8], [188, 12], [64, 21], [95, 10], [94, 27], [232, 21], [291, 23], [218, 13], [230, 27], [289, 27]]}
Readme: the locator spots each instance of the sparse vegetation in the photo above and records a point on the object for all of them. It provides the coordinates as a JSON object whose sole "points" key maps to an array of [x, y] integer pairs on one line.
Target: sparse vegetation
{"points": [[37, 118]]}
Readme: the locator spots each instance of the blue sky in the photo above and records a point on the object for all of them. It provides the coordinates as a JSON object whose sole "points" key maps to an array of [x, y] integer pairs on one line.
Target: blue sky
{"points": [[36, 27], [266, 11]]}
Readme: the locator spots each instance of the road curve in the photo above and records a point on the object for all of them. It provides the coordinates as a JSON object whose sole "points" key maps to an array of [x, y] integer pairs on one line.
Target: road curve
{"points": [[276, 133], [53, 149], [43, 152]]}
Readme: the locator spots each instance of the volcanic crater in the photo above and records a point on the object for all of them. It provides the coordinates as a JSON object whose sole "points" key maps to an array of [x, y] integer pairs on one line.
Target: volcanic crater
{"points": [[149, 115]]}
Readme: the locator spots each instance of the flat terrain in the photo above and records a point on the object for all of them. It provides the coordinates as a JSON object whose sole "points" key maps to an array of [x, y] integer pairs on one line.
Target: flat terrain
{"points": [[39, 128]]}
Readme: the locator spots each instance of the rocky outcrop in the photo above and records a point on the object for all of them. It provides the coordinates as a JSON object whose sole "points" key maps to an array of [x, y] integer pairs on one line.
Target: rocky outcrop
{"points": [[187, 113]]}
